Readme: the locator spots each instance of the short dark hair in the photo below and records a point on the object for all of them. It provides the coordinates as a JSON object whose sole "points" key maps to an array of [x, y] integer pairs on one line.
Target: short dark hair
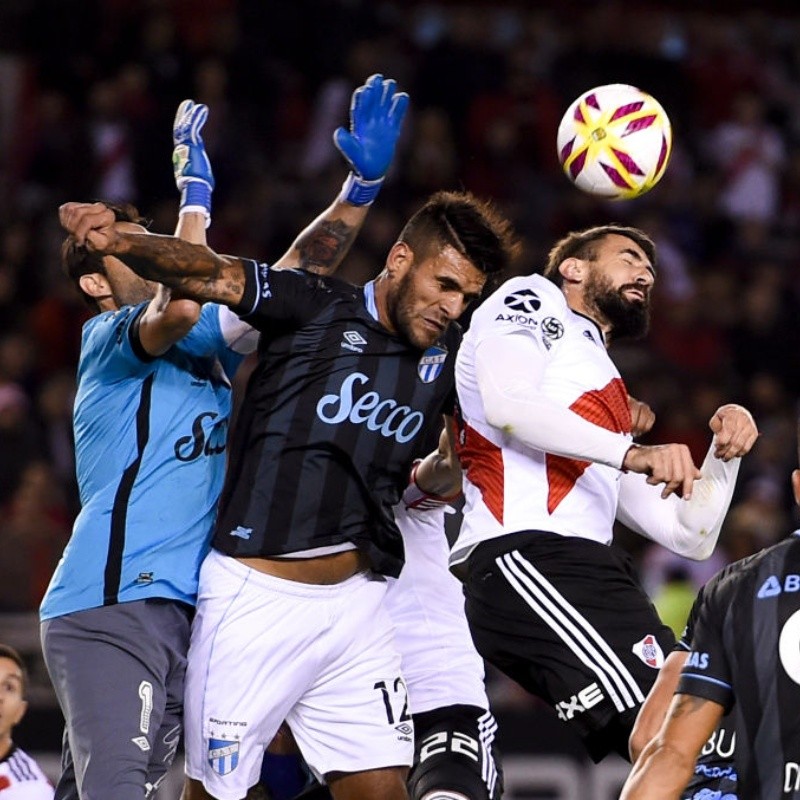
{"points": [[471, 226], [583, 245], [11, 654], [78, 260]]}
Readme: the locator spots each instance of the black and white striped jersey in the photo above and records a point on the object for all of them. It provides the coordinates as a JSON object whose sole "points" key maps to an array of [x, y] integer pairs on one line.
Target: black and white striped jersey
{"points": [[746, 656], [333, 416]]}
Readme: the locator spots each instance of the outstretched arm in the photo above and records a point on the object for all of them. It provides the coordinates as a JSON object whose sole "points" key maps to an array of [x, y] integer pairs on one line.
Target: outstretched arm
{"points": [[167, 320], [377, 110], [692, 528]]}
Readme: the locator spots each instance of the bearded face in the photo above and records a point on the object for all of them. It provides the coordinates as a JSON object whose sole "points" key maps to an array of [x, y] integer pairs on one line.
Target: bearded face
{"points": [[626, 308]]}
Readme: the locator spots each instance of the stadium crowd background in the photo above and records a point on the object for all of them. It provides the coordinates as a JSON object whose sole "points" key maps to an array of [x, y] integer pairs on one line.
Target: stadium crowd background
{"points": [[87, 95]]}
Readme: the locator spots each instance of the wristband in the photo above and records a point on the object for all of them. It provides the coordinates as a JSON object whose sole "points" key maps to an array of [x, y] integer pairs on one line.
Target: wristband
{"points": [[359, 192], [196, 197], [416, 497]]}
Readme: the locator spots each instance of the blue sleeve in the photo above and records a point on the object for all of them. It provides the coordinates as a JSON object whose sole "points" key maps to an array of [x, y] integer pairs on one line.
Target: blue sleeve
{"points": [[111, 345], [277, 299], [206, 339]]}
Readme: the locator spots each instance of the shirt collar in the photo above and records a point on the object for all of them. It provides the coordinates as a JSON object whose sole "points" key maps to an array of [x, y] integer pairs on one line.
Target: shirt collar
{"points": [[369, 299]]}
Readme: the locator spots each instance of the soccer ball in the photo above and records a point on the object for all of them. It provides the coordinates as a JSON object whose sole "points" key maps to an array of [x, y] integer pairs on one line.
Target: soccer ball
{"points": [[614, 141]]}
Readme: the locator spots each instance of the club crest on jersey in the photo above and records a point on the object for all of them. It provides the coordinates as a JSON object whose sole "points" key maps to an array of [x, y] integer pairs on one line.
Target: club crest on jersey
{"points": [[649, 651], [431, 364], [525, 300], [223, 755]]}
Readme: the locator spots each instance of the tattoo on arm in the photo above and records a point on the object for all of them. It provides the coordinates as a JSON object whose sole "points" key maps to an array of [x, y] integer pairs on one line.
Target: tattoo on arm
{"points": [[321, 249], [198, 272]]}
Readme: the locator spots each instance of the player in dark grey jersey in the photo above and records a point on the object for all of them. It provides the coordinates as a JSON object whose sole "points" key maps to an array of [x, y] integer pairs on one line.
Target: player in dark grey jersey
{"points": [[714, 775], [746, 658], [292, 627]]}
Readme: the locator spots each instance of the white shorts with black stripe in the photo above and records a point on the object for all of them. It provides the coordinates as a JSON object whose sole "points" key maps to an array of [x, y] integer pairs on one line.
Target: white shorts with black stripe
{"points": [[322, 658], [567, 619]]}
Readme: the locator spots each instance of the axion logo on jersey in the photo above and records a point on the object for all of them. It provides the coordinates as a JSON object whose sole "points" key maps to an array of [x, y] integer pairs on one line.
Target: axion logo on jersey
{"points": [[582, 701], [354, 341], [525, 300], [518, 319], [384, 416], [649, 651], [431, 364], [223, 755]]}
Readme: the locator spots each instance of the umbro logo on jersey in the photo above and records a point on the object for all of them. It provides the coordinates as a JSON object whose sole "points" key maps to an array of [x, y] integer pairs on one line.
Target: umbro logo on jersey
{"points": [[142, 743], [525, 300], [242, 533], [354, 341], [431, 364]]}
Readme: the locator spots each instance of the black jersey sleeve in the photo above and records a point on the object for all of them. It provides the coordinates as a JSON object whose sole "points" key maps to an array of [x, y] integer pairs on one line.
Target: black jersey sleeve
{"points": [[707, 672], [288, 296]]}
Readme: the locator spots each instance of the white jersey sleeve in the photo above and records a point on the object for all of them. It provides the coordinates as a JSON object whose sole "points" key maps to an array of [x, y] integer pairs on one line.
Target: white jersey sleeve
{"points": [[515, 405], [689, 528], [239, 336]]}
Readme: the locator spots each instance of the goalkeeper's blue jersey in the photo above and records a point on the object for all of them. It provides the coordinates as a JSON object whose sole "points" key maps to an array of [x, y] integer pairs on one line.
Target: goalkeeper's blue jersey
{"points": [[150, 439]]}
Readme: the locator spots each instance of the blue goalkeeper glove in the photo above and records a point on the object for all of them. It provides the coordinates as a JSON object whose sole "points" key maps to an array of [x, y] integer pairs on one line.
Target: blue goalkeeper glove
{"points": [[190, 163], [376, 114]]}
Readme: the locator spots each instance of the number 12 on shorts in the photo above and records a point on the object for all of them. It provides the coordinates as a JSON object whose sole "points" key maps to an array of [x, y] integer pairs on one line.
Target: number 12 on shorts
{"points": [[389, 694]]}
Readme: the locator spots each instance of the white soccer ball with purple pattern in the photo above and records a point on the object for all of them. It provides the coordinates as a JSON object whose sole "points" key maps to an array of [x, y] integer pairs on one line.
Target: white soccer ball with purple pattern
{"points": [[614, 141]]}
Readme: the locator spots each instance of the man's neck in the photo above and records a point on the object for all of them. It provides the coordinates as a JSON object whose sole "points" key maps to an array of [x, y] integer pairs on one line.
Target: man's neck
{"points": [[576, 302], [5, 746]]}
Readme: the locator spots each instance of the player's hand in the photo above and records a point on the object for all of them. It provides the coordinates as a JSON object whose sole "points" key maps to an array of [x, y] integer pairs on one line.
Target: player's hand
{"points": [[642, 417], [190, 164], [377, 110], [670, 464], [90, 224], [735, 431]]}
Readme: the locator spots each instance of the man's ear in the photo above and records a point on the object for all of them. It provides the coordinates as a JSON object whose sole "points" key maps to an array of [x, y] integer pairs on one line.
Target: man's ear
{"points": [[573, 270], [399, 260], [95, 284]]}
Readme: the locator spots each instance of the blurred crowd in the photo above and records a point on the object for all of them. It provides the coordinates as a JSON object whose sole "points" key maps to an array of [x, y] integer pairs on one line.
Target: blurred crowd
{"points": [[88, 90]]}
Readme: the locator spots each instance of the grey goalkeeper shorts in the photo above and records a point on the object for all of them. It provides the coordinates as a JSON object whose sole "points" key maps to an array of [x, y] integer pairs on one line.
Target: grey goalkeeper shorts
{"points": [[118, 672]]}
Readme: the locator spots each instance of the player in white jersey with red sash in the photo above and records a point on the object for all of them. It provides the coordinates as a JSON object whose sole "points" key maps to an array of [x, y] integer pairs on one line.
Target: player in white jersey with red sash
{"points": [[545, 442]]}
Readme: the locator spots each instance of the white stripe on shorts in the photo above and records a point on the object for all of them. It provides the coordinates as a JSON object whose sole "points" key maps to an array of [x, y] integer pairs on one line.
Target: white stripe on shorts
{"points": [[572, 628], [487, 727]]}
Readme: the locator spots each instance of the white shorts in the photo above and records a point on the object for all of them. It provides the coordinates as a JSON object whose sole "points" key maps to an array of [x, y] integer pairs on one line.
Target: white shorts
{"points": [[265, 650]]}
